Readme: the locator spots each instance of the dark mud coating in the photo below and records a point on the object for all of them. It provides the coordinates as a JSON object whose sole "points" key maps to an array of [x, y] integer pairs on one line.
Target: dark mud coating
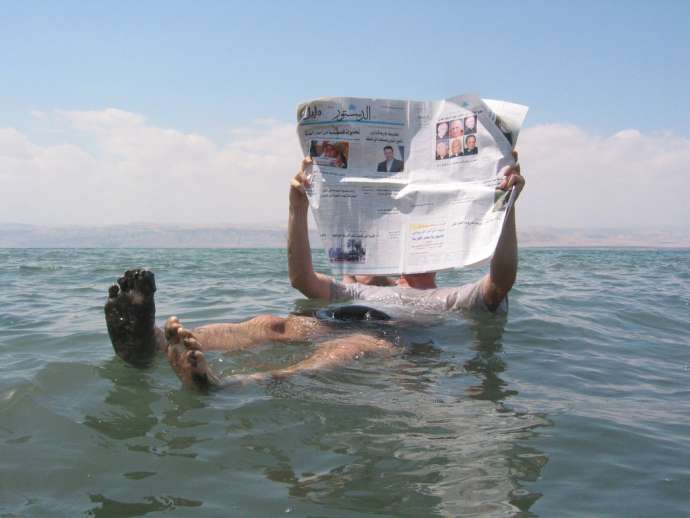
{"points": [[130, 314], [202, 382]]}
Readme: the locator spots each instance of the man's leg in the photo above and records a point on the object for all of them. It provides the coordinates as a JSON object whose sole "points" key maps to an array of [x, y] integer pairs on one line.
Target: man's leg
{"points": [[258, 330], [338, 351], [188, 361], [130, 314]]}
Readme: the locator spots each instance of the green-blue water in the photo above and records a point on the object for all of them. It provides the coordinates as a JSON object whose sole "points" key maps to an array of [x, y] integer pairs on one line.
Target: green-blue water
{"points": [[578, 405]]}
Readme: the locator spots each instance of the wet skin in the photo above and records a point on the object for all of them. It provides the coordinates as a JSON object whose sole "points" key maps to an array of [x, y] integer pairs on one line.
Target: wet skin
{"points": [[130, 317], [186, 358]]}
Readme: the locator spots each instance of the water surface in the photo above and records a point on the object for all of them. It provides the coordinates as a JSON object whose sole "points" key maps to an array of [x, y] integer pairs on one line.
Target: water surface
{"points": [[577, 405]]}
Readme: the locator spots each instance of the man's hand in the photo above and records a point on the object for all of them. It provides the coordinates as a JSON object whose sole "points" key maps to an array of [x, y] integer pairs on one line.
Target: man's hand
{"points": [[298, 196], [512, 177], [300, 268], [504, 263]]}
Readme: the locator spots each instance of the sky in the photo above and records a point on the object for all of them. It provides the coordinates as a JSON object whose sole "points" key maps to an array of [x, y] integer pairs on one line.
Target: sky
{"points": [[115, 112]]}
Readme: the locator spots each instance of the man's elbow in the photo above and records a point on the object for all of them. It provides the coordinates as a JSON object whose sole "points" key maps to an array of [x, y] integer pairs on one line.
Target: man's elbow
{"points": [[298, 281], [494, 293], [304, 285]]}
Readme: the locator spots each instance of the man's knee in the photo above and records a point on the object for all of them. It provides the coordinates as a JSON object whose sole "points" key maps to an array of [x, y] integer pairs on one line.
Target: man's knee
{"points": [[270, 324], [269, 327]]}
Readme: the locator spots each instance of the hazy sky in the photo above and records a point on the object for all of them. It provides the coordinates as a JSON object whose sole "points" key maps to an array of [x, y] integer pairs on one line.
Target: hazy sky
{"points": [[183, 112]]}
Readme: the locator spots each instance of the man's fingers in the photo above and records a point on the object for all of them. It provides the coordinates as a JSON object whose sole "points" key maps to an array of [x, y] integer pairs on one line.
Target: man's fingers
{"points": [[306, 162], [511, 179], [515, 179], [301, 179], [517, 161], [303, 173], [304, 179], [300, 183], [513, 169]]}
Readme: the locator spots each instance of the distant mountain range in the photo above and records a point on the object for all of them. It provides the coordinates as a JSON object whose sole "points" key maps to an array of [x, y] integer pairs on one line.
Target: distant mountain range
{"points": [[149, 235]]}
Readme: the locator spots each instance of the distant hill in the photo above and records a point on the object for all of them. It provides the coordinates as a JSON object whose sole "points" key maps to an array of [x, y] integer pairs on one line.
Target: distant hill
{"points": [[142, 235], [149, 235], [604, 237]]}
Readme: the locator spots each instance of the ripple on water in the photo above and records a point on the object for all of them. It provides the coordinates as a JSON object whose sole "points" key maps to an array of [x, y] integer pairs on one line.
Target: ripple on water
{"points": [[577, 403]]}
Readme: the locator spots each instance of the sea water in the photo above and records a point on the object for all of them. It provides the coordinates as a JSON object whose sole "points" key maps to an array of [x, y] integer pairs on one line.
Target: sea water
{"points": [[577, 404]]}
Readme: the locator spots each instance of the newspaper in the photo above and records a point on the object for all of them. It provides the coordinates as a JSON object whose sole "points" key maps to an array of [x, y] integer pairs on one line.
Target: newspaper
{"points": [[406, 186]]}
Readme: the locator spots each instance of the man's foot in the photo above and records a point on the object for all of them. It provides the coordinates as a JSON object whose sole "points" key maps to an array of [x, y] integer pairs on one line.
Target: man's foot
{"points": [[130, 314], [186, 357]]}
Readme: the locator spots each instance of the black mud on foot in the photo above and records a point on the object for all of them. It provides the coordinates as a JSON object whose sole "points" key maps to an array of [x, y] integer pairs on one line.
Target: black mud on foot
{"points": [[130, 314]]}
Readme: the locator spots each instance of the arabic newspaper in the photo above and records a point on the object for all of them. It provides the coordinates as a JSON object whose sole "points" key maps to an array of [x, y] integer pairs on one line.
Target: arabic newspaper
{"points": [[406, 186]]}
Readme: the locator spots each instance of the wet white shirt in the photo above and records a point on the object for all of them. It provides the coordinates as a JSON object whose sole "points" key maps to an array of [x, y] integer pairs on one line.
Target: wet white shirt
{"points": [[465, 297]]}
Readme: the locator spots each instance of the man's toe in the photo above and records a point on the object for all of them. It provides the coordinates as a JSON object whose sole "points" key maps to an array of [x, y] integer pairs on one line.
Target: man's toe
{"points": [[172, 330], [144, 281], [123, 282], [191, 343], [113, 291], [192, 359]]}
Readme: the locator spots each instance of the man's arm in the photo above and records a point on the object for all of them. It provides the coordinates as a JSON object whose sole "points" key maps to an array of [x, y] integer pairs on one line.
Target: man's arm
{"points": [[300, 268], [504, 263]]}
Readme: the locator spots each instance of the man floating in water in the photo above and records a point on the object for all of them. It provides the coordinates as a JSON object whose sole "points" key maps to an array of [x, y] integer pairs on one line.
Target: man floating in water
{"points": [[130, 309]]}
